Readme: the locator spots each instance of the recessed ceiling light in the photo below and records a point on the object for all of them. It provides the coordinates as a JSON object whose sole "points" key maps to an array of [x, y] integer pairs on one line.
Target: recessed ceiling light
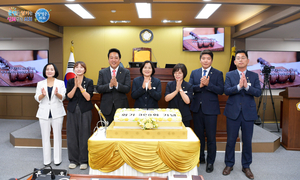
{"points": [[113, 11], [171, 21], [206, 0], [143, 10], [70, 0], [207, 11], [80, 11], [122, 21]]}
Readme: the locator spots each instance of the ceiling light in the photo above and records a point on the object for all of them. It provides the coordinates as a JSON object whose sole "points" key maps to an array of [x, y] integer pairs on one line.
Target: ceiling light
{"points": [[113, 11], [206, 0], [80, 11], [207, 11], [143, 10], [70, 0], [171, 21], [123, 21]]}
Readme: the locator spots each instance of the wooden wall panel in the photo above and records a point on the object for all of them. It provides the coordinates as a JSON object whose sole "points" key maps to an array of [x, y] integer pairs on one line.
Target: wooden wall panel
{"points": [[14, 105], [29, 105], [23, 106], [269, 113], [2, 105]]}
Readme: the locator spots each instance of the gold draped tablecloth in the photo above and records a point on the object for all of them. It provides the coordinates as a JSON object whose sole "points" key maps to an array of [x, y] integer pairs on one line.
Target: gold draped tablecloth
{"points": [[143, 155]]}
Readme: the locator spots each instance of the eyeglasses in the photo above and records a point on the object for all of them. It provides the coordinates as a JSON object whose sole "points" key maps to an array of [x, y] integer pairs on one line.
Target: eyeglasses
{"points": [[241, 58]]}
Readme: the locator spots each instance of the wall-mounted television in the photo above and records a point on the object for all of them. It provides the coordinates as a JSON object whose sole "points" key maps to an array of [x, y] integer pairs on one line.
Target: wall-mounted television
{"points": [[201, 38], [20, 68], [282, 67]]}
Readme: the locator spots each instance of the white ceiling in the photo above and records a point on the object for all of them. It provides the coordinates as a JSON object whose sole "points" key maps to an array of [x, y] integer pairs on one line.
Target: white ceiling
{"points": [[290, 30]]}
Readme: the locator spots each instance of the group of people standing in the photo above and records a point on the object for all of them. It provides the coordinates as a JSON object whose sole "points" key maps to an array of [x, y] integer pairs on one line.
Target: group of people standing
{"points": [[199, 95], [50, 94]]}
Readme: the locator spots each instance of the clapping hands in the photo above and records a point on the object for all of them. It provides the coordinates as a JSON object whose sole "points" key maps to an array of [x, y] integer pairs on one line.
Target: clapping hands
{"points": [[243, 81], [178, 85], [204, 81], [147, 80], [113, 82], [43, 91]]}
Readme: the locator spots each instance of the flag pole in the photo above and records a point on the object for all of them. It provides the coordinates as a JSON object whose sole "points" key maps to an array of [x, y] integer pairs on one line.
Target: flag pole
{"points": [[69, 71]]}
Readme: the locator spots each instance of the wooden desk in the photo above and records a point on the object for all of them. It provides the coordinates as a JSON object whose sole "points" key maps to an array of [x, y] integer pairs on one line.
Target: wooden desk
{"points": [[143, 157], [291, 117], [88, 177]]}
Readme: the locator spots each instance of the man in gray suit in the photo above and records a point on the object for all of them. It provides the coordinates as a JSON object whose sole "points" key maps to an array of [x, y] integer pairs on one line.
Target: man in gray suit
{"points": [[114, 84]]}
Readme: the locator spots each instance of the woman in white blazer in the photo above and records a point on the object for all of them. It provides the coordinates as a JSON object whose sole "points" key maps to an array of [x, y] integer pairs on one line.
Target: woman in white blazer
{"points": [[50, 93]]}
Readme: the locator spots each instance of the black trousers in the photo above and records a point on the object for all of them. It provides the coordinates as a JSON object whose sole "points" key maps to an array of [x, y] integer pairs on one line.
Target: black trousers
{"points": [[78, 133], [110, 117], [208, 123]]}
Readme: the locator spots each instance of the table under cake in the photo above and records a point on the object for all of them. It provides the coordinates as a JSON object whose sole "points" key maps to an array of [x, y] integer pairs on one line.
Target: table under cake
{"points": [[143, 157]]}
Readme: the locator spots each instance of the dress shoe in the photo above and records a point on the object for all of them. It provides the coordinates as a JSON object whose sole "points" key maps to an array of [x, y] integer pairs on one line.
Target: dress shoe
{"points": [[248, 173], [209, 168], [227, 170], [202, 161], [47, 164], [57, 164]]}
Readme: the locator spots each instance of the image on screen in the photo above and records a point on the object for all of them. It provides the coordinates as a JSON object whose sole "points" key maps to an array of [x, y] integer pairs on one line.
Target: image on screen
{"points": [[199, 39], [282, 67], [20, 68]]}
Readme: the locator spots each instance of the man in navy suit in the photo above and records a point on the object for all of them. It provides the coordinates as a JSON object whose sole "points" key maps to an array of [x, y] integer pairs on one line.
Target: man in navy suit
{"points": [[114, 84], [241, 86], [207, 84]]}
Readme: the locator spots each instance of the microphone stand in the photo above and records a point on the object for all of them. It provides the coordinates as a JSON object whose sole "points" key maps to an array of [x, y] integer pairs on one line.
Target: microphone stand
{"points": [[33, 174], [102, 120]]}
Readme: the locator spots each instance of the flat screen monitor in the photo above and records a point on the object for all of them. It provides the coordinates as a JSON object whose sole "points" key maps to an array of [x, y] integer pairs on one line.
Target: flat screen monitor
{"points": [[170, 65], [139, 64], [199, 39], [282, 67], [20, 68]]}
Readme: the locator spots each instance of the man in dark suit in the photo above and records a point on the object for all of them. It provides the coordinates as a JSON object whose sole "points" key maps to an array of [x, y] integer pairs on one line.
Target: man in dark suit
{"points": [[241, 86], [114, 84], [207, 84]]}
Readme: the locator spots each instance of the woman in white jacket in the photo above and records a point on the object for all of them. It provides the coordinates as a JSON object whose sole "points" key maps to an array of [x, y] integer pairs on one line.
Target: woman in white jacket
{"points": [[50, 93]]}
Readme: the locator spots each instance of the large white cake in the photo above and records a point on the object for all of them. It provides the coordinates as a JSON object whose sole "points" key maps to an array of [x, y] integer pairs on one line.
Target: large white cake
{"points": [[126, 124], [166, 118]]}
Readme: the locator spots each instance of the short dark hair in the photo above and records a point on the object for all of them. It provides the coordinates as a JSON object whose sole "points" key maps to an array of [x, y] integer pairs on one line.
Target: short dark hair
{"points": [[241, 51], [114, 50], [55, 69], [207, 51], [180, 66], [82, 64], [144, 63]]}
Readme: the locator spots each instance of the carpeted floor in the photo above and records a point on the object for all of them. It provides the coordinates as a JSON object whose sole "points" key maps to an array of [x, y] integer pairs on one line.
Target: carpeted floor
{"points": [[17, 162]]}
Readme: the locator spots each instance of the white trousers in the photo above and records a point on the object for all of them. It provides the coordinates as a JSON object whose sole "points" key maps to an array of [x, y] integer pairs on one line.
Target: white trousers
{"points": [[45, 125]]}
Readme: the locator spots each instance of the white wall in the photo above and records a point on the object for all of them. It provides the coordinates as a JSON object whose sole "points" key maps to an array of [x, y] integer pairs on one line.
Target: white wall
{"points": [[272, 44], [23, 44]]}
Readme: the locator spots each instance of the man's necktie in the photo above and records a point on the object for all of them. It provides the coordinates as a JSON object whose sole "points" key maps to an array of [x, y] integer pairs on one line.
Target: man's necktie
{"points": [[114, 72], [204, 74]]}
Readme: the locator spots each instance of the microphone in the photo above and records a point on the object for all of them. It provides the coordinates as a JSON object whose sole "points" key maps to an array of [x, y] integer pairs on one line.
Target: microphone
{"points": [[157, 65], [100, 113], [34, 174]]}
